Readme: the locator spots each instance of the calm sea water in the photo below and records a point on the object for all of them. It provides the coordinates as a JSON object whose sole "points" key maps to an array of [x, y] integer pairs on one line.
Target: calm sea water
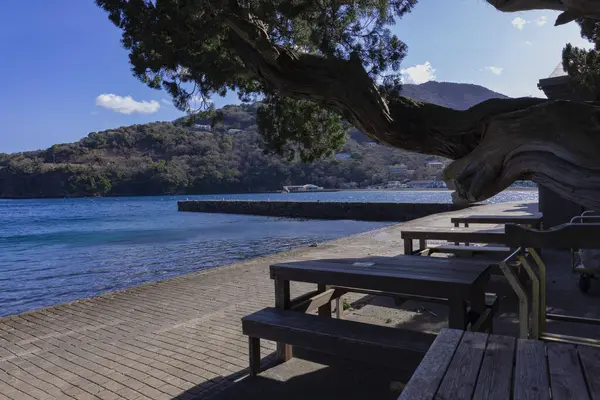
{"points": [[53, 251]]}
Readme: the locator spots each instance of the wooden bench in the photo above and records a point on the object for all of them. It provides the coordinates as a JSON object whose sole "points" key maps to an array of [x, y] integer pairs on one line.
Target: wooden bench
{"points": [[350, 339], [453, 235], [471, 365], [535, 221]]}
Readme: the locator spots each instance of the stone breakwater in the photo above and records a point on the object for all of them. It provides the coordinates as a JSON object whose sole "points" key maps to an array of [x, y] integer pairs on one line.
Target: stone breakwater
{"points": [[319, 210]]}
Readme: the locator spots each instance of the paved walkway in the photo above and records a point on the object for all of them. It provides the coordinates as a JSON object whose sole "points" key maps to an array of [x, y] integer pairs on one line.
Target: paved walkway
{"points": [[179, 338]]}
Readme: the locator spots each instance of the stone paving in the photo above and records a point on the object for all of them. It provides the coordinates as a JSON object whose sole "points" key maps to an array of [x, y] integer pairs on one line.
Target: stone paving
{"points": [[179, 338]]}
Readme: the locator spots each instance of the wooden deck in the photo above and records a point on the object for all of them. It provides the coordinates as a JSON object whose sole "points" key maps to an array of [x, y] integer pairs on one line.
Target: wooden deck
{"points": [[471, 365]]}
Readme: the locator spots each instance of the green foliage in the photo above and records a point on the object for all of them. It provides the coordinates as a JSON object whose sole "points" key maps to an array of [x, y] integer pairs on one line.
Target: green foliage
{"points": [[191, 50], [166, 158], [299, 129], [590, 30], [583, 66]]}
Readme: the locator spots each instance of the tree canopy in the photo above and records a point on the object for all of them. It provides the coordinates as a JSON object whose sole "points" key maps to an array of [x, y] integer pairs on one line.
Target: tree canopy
{"points": [[319, 65]]}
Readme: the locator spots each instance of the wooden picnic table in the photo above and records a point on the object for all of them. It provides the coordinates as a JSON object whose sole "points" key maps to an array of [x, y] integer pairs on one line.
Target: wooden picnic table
{"points": [[458, 280], [462, 282], [535, 221], [473, 365], [462, 235]]}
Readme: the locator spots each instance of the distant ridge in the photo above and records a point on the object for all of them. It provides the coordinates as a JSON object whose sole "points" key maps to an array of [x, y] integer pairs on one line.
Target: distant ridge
{"points": [[459, 96]]}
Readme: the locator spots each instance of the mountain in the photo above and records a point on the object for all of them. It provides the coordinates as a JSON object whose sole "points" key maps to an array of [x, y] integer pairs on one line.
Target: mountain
{"points": [[170, 158], [459, 96]]}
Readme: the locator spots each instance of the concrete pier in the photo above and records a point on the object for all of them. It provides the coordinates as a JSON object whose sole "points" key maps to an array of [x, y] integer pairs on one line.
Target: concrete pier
{"points": [[319, 210]]}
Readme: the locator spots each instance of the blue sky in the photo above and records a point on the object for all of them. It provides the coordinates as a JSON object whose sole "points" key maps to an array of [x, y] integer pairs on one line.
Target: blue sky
{"points": [[65, 73]]}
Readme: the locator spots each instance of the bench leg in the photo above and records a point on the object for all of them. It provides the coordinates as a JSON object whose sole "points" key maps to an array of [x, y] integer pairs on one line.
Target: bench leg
{"points": [[282, 301], [339, 308], [422, 244], [254, 352]]}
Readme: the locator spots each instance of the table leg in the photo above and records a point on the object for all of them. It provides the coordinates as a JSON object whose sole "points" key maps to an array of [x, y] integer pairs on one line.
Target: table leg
{"points": [[477, 302], [282, 301], [422, 244], [408, 246], [456, 225], [466, 226], [457, 318], [325, 309], [254, 353]]}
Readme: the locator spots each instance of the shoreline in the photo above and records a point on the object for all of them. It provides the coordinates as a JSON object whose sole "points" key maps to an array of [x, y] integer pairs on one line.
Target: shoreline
{"points": [[510, 189]]}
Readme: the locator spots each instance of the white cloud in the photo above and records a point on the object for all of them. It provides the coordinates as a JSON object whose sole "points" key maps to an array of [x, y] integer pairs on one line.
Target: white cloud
{"points": [[541, 21], [519, 23], [528, 43], [126, 105], [418, 74], [166, 102], [495, 70]]}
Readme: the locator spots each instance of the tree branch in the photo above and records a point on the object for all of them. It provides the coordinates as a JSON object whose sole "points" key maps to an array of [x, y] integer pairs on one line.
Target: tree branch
{"points": [[554, 143]]}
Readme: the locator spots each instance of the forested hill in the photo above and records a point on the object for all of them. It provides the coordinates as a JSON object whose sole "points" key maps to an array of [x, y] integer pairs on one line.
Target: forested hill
{"points": [[169, 158]]}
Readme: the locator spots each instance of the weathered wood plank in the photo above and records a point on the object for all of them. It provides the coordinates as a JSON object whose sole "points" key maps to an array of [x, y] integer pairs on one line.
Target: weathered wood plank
{"points": [[406, 265], [402, 261], [469, 250], [423, 276], [534, 220], [531, 371], [425, 381], [423, 285], [495, 375], [349, 339], [566, 376], [462, 235], [461, 376], [433, 269], [590, 361]]}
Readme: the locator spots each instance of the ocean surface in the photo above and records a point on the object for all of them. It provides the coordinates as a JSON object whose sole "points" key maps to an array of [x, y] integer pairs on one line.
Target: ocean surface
{"points": [[59, 250]]}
